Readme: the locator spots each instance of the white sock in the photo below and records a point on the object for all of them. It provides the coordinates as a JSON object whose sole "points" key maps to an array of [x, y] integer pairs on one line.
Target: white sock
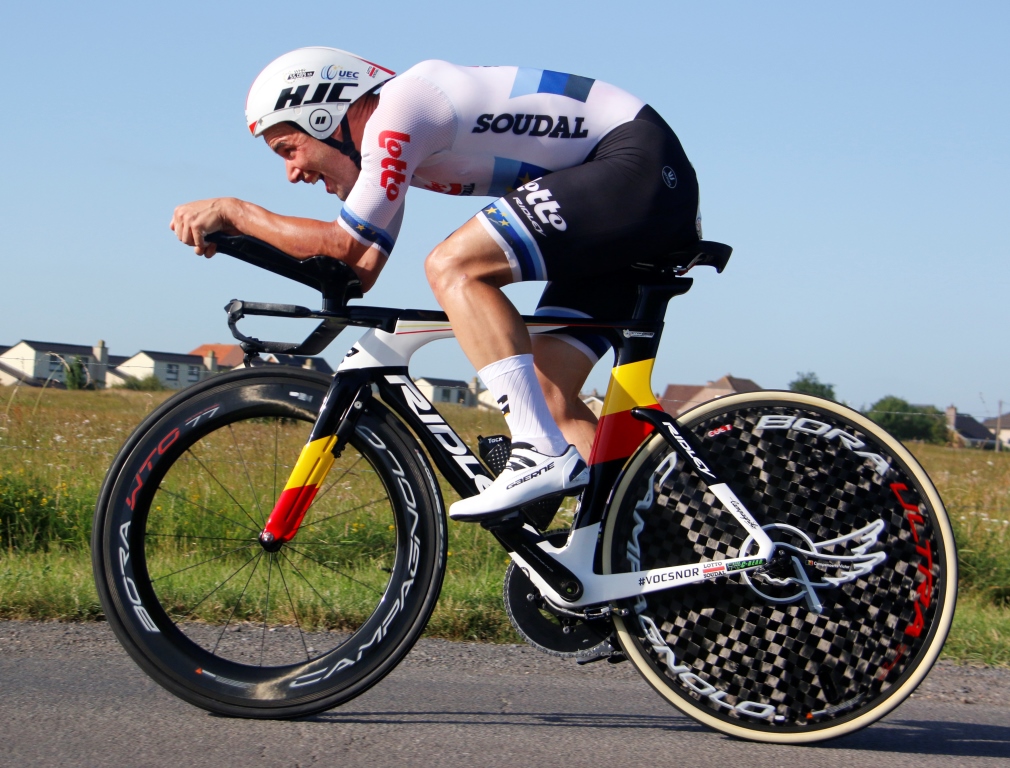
{"points": [[514, 385]]}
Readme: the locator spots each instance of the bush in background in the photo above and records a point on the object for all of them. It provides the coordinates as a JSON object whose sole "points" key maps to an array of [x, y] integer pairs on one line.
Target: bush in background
{"points": [[147, 384], [76, 376], [809, 384], [908, 422]]}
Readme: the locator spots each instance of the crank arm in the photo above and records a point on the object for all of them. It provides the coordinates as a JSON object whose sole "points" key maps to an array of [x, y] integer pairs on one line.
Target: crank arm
{"points": [[526, 543]]}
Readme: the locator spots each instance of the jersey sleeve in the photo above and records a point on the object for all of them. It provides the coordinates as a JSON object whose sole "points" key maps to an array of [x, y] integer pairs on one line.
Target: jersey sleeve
{"points": [[413, 121]]}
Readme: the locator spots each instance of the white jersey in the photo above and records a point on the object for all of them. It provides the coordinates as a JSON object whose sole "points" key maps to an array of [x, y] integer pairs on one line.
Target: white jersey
{"points": [[473, 131]]}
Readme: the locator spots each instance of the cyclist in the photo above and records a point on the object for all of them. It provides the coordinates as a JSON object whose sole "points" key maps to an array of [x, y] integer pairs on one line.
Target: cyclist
{"points": [[590, 178]]}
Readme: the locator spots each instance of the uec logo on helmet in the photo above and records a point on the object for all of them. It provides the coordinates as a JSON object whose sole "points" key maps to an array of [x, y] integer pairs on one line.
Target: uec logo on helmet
{"points": [[333, 71]]}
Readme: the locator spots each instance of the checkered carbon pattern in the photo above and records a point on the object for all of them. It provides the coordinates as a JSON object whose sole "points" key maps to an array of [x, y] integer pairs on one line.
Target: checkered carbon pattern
{"points": [[848, 656]]}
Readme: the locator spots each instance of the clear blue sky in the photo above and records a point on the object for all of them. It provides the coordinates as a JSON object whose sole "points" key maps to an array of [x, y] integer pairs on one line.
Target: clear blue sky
{"points": [[855, 155]]}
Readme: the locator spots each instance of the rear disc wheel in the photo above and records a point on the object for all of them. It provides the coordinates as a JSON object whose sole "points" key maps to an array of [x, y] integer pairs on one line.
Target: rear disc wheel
{"points": [[845, 621]]}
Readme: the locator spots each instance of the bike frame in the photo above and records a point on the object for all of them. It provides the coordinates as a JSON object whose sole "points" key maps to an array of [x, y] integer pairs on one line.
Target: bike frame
{"points": [[566, 576]]}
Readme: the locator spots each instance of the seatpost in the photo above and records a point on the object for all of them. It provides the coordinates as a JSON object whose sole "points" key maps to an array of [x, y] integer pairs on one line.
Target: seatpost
{"points": [[652, 299]]}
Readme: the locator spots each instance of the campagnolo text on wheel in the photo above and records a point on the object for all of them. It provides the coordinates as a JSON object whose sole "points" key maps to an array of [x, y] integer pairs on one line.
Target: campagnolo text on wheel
{"points": [[271, 542]]}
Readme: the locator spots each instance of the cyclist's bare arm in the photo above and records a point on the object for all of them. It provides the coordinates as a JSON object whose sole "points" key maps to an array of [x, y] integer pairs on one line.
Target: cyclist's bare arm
{"points": [[302, 238]]}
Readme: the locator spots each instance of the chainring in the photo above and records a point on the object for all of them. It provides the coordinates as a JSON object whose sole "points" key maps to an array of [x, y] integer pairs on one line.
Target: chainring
{"points": [[545, 629]]}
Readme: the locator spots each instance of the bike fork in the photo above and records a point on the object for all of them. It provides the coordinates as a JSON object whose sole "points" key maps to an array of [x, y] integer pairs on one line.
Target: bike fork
{"points": [[343, 404]]}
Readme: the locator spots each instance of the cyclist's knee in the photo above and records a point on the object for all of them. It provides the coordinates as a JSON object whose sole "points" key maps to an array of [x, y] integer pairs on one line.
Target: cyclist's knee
{"points": [[452, 266], [442, 267]]}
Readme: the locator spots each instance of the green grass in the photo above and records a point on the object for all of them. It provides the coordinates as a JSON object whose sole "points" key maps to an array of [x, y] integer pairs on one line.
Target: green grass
{"points": [[55, 447], [981, 632]]}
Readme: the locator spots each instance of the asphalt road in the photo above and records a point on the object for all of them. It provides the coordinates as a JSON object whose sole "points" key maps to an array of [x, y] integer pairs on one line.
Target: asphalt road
{"points": [[70, 696]]}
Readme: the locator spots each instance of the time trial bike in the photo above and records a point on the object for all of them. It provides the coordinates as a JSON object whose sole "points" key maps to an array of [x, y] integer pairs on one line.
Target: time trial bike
{"points": [[271, 542]]}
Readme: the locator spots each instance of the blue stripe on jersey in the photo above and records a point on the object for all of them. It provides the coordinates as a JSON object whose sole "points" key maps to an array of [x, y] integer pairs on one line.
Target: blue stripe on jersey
{"points": [[527, 81], [511, 229], [547, 81], [553, 82], [509, 175], [366, 231], [578, 87]]}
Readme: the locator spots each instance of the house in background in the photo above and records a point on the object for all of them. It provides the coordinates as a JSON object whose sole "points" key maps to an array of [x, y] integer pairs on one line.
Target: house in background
{"points": [[172, 370], [999, 428], [679, 398], [450, 390], [44, 363], [34, 363], [311, 363], [594, 402], [231, 356], [968, 431], [228, 356]]}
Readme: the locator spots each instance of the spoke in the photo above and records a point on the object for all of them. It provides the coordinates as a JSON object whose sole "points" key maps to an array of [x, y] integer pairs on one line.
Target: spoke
{"points": [[342, 476], [335, 570], [237, 603], [266, 616], [205, 597], [245, 467], [294, 611], [188, 536], [214, 477], [308, 583], [204, 562], [205, 509], [341, 514]]}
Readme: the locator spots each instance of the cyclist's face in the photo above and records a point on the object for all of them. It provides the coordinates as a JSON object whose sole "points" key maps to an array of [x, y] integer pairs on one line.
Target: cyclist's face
{"points": [[309, 160]]}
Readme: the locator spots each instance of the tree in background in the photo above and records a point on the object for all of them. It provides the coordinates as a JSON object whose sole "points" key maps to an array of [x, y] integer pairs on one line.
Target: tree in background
{"points": [[907, 422], [809, 384], [76, 377], [147, 384]]}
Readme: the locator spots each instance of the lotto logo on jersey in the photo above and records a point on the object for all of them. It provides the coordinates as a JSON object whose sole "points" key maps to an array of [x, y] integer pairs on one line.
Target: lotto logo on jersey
{"points": [[450, 189], [392, 167], [545, 209]]}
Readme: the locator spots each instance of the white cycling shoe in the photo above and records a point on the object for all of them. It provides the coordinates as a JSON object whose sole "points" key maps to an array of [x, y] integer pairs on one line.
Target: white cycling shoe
{"points": [[528, 476]]}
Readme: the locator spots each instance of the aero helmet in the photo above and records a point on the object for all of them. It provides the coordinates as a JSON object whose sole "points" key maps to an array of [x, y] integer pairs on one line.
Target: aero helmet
{"points": [[313, 88]]}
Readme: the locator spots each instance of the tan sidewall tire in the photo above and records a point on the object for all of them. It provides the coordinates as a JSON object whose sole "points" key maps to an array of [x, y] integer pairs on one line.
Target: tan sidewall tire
{"points": [[661, 685]]}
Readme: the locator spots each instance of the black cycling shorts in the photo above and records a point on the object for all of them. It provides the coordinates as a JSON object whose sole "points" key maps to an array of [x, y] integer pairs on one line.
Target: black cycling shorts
{"points": [[635, 196]]}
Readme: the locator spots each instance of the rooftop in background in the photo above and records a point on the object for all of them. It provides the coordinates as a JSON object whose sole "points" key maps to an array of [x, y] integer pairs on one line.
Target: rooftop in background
{"points": [[1004, 422], [228, 355], [59, 349], [968, 430], [967, 426], [296, 361], [172, 357], [679, 398]]}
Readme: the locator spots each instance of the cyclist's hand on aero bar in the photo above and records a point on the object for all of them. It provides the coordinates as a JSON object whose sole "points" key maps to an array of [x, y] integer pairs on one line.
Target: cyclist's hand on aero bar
{"points": [[192, 221]]}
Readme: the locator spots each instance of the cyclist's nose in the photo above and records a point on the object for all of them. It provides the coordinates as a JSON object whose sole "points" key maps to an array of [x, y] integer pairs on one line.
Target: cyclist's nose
{"points": [[294, 172]]}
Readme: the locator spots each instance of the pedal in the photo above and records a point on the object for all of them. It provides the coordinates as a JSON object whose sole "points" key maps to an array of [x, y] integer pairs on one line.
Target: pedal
{"points": [[540, 513], [605, 652], [494, 451]]}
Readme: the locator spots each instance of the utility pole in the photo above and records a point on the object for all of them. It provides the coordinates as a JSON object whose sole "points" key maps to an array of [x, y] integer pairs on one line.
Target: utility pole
{"points": [[999, 414]]}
